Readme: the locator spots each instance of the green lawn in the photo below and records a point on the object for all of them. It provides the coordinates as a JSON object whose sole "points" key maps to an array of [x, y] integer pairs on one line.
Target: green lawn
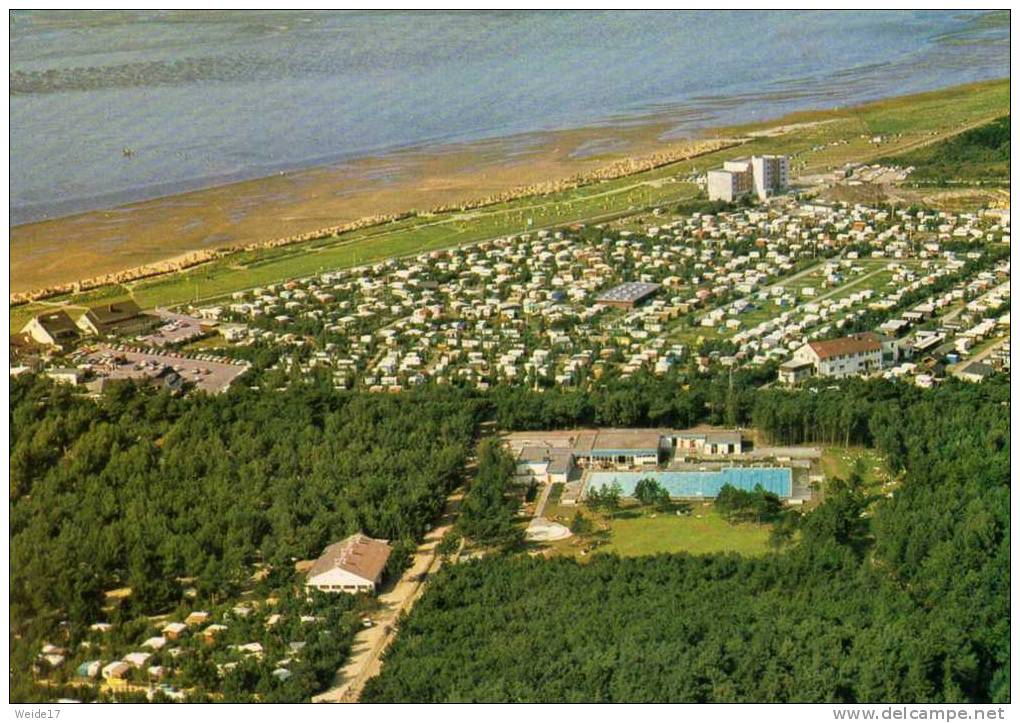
{"points": [[636, 531], [703, 531]]}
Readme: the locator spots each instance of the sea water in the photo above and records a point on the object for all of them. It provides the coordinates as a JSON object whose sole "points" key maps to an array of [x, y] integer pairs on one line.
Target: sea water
{"points": [[110, 107]]}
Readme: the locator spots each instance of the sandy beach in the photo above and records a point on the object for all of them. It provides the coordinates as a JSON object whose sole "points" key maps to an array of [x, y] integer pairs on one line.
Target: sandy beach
{"points": [[64, 250]]}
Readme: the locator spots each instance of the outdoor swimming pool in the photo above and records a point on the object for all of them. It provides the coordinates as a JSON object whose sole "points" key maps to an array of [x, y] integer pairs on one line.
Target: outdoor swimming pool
{"points": [[778, 480]]}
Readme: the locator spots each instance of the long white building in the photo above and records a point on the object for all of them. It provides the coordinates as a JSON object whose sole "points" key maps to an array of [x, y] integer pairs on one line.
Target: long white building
{"points": [[849, 356]]}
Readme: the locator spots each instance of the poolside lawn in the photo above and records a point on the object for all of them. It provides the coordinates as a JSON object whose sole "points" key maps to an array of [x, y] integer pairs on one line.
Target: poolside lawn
{"points": [[636, 531], [703, 531]]}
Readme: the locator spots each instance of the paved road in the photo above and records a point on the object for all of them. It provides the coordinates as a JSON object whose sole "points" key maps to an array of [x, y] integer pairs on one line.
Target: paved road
{"points": [[1004, 286], [989, 351]]}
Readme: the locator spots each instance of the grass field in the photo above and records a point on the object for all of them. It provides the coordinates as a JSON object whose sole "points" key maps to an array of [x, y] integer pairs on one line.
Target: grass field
{"points": [[636, 531], [704, 531], [840, 461], [837, 137]]}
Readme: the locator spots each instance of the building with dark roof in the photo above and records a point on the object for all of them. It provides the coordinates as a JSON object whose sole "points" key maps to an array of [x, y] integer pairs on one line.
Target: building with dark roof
{"points": [[54, 328], [627, 295], [121, 318], [976, 372], [613, 447], [26, 353], [544, 463]]}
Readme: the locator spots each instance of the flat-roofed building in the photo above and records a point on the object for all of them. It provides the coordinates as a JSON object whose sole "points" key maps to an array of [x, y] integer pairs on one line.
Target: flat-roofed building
{"points": [[975, 372], [628, 295], [795, 371], [771, 174], [705, 444], [762, 175], [66, 375], [731, 182], [546, 464], [615, 447]]}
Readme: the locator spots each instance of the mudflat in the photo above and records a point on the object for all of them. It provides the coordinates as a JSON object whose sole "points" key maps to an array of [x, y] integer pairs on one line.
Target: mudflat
{"points": [[97, 243]]}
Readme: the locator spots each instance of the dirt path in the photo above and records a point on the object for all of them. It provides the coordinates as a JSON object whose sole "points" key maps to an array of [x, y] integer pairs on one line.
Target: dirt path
{"points": [[543, 498], [369, 643]]}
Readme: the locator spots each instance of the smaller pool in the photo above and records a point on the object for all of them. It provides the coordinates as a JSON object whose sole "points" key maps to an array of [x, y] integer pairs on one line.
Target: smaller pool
{"points": [[778, 480]]}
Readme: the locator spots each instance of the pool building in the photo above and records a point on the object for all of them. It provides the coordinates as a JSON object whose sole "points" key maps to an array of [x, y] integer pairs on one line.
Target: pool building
{"points": [[688, 463]]}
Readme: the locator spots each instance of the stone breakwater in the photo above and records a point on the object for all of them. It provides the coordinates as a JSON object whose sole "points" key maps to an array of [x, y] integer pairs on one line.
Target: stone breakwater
{"points": [[614, 170]]}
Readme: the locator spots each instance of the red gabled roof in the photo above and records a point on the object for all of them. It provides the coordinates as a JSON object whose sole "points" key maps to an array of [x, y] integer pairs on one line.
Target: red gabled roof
{"points": [[854, 344], [359, 554]]}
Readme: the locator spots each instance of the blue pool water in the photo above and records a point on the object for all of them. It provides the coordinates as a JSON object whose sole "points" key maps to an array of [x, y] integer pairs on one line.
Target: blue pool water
{"points": [[778, 480]]}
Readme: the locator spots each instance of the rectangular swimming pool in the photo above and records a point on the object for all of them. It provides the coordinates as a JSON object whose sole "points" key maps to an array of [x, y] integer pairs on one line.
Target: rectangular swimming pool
{"points": [[778, 480]]}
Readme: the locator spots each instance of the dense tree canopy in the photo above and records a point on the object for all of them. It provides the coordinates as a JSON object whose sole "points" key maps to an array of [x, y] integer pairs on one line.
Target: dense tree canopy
{"points": [[141, 490], [909, 602], [487, 514], [903, 598], [678, 399]]}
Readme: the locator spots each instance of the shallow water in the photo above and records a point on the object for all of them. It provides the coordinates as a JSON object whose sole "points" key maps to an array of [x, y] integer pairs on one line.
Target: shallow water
{"points": [[207, 98]]}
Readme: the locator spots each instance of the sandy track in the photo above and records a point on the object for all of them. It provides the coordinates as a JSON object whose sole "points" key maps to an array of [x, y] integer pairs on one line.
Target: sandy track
{"points": [[369, 644]]}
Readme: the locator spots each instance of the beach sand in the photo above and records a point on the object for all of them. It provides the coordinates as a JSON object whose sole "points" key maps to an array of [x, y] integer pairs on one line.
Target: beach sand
{"points": [[96, 243]]}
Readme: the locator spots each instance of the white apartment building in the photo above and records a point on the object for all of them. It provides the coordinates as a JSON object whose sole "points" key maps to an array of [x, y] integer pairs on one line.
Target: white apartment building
{"points": [[856, 354], [764, 175], [732, 182], [771, 174]]}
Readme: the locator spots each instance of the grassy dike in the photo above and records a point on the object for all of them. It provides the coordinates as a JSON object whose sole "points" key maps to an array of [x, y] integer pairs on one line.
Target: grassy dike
{"points": [[828, 139]]}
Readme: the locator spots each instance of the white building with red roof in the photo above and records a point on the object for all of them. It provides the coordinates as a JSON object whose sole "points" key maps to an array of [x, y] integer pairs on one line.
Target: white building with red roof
{"points": [[353, 565], [847, 356]]}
